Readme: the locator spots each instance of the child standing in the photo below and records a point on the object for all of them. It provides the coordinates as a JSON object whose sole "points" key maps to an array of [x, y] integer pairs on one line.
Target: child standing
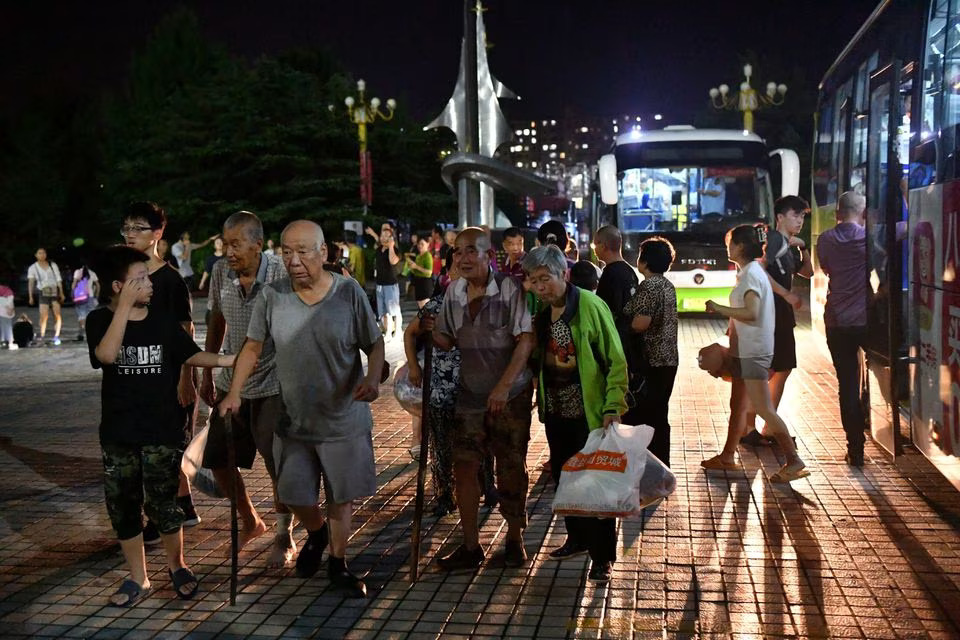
{"points": [[142, 426]]}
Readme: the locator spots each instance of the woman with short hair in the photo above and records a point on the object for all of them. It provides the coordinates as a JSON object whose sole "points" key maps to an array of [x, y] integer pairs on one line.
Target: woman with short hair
{"points": [[582, 387]]}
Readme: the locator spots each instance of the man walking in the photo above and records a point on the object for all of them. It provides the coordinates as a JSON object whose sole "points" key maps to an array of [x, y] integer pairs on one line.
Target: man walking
{"points": [[786, 255], [485, 316], [319, 323], [842, 253], [235, 284]]}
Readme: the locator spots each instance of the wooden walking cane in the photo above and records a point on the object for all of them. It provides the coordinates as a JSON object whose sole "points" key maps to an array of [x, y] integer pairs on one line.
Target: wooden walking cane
{"points": [[424, 454], [232, 492]]}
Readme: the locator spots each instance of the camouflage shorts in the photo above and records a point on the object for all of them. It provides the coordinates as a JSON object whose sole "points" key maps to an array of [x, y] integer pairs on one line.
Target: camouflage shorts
{"points": [[139, 478], [506, 436]]}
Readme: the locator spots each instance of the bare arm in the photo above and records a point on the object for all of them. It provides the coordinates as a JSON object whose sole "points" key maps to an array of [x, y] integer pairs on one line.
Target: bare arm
{"points": [[245, 363], [747, 313], [369, 388], [640, 323], [216, 329], [806, 266], [392, 248], [210, 360], [112, 340], [518, 362]]}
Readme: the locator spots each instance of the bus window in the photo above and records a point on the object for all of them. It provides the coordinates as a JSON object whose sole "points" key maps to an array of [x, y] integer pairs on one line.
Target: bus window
{"points": [[821, 158]]}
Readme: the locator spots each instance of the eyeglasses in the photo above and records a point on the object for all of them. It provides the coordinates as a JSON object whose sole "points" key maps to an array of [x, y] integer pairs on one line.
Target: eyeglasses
{"points": [[129, 230]]}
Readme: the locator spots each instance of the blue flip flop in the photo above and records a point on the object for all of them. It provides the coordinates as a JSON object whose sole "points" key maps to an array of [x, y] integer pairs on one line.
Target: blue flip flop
{"points": [[181, 578], [133, 592]]}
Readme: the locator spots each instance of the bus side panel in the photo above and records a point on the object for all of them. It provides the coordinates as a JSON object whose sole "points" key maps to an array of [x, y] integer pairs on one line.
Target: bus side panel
{"points": [[929, 411]]}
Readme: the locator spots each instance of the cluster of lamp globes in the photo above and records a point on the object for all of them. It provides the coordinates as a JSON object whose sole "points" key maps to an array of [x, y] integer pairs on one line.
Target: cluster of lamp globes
{"points": [[773, 89], [375, 103]]}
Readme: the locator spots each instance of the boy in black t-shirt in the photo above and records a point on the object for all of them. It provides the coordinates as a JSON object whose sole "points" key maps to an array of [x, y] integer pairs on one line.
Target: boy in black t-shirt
{"points": [[142, 425]]}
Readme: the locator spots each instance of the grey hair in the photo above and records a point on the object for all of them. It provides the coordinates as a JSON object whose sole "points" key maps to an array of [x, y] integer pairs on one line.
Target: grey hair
{"points": [[548, 256], [851, 202], [248, 221], [318, 231]]}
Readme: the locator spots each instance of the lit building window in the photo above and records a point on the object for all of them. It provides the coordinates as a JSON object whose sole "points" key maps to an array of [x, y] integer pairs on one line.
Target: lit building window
{"points": [[616, 128], [584, 129], [544, 123], [553, 146], [584, 146], [638, 118], [526, 148], [520, 164], [563, 155], [519, 132], [533, 140], [533, 164], [533, 125], [545, 147], [553, 123], [658, 117], [553, 154], [526, 132]]}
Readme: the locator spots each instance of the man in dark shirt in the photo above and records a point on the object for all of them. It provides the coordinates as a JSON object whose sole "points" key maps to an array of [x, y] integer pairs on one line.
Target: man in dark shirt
{"points": [[385, 275], [618, 284], [785, 256], [842, 253], [142, 227]]}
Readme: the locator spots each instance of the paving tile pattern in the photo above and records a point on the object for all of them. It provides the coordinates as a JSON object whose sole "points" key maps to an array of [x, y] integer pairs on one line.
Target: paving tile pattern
{"points": [[843, 553]]}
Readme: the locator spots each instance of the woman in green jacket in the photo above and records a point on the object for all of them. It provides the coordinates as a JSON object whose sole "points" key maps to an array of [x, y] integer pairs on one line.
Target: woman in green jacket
{"points": [[582, 386]]}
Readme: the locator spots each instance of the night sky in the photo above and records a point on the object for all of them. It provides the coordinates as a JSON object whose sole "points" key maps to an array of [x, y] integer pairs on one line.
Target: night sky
{"points": [[600, 57]]}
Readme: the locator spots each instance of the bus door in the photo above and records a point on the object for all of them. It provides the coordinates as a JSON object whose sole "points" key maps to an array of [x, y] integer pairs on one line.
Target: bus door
{"points": [[886, 215]]}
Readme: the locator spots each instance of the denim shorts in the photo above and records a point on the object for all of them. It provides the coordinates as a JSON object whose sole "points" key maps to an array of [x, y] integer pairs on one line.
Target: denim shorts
{"points": [[388, 300]]}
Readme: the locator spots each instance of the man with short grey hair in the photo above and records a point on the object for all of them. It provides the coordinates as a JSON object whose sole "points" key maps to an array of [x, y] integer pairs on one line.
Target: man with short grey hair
{"points": [[235, 284], [842, 254], [319, 322], [484, 314]]}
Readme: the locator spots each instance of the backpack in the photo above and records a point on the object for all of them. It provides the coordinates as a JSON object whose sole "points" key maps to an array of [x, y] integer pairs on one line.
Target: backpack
{"points": [[81, 290]]}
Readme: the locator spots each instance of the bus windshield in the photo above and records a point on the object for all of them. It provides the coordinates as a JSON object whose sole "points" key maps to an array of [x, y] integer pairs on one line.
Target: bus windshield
{"points": [[694, 200]]}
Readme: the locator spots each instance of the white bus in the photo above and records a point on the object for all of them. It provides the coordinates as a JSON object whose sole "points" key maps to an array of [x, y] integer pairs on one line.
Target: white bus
{"points": [[690, 186], [888, 126]]}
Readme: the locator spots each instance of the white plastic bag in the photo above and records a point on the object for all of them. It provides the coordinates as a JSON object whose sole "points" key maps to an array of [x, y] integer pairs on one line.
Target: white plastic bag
{"points": [[657, 481], [200, 477], [603, 479], [409, 396]]}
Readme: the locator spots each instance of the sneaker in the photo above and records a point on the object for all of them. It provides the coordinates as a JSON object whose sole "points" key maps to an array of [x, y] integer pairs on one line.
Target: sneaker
{"points": [[600, 572], [308, 562], [151, 536], [190, 517], [568, 549], [56, 341], [13, 346], [514, 554], [754, 439], [854, 459], [462, 560], [341, 576]]}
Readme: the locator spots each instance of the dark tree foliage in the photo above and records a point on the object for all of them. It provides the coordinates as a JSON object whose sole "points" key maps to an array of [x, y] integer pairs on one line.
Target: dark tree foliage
{"points": [[206, 134]]}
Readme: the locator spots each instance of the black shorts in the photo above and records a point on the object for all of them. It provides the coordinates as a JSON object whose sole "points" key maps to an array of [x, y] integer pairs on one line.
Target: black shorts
{"points": [[253, 428], [784, 349]]}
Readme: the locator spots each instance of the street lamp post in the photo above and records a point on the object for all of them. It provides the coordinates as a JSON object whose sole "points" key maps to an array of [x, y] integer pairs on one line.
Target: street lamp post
{"points": [[747, 99], [362, 113]]}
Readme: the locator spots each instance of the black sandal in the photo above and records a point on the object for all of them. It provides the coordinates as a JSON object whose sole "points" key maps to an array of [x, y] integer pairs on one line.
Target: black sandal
{"points": [[181, 578], [133, 593]]}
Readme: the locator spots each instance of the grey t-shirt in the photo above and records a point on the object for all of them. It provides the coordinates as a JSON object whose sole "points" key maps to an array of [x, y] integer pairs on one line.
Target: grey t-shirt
{"points": [[318, 357]]}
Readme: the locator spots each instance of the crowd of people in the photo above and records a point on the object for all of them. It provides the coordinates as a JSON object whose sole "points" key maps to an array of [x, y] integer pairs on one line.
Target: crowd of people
{"points": [[289, 329]]}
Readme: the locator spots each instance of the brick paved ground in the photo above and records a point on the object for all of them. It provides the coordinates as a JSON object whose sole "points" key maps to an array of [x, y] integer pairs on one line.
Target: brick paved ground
{"points": [[844, 553]]}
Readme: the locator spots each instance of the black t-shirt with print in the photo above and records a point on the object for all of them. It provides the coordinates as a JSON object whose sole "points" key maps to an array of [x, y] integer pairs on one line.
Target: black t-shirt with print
{"points": [[170, 294], [139, 391]]}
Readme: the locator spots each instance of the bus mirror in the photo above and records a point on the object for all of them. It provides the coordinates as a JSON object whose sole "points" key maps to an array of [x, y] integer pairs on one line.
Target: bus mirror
{"points": [[608, 178], [789, 171]]}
